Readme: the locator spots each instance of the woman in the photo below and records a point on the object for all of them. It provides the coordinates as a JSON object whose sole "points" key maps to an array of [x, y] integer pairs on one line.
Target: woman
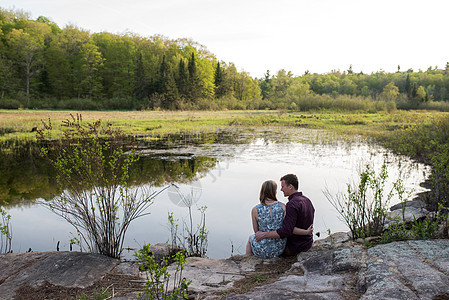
{"points": [[268, 215]]}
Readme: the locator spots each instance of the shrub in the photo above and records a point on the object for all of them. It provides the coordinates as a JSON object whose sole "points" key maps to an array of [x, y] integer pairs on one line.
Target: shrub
{"points": [[119, 103], [158, 277], [92, 168], [80, 104], [45, 103], [428, 143], [10, 103], [5, 231], [364, 207]]}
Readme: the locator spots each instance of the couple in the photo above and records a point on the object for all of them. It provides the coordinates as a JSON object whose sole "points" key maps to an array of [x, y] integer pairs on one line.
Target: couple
{"points": [[281, 229]]}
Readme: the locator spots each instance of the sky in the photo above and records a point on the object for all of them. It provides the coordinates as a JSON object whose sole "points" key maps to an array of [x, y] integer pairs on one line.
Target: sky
{"points": [[259, 35]]}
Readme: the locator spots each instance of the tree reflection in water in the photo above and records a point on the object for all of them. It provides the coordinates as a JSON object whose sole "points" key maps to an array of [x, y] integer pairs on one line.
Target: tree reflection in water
{"points": [[222, 170], [26, 177]]}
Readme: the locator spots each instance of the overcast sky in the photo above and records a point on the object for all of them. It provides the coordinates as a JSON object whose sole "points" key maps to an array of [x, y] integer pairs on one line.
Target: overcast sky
{"points": [[261, 35]]}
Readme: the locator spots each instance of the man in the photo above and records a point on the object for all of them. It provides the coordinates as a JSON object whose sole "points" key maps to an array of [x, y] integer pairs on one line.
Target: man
{"points": [[299, 214]]}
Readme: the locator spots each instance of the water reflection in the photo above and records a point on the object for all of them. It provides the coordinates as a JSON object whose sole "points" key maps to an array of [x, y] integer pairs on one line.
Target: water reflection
{"points": [[221, 170]]}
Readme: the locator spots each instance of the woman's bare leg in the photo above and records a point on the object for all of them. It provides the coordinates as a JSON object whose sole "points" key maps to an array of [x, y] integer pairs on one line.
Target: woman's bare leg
{"points": [[249, 251]]}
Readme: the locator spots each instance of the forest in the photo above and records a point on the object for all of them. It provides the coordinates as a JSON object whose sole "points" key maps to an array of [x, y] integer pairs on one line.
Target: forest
{"points": [[43, 66]]}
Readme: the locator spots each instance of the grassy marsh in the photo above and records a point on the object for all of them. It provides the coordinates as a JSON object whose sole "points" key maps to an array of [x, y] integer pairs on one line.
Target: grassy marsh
{"points": [[17, 124]]}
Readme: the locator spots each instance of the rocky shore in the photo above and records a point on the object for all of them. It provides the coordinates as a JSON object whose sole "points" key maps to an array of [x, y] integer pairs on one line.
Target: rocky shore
{"points": [[335, 268]]}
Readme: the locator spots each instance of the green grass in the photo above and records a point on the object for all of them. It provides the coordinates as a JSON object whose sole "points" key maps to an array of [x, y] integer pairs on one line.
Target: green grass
{"points": [[17, 124]]}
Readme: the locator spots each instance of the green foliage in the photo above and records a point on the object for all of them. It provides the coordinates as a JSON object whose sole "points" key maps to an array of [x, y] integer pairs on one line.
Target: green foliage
{"points": [[158, 276], [93, 171], [364, 207], [194, 240], [427, 142], [5, 231], [375, 92], [424, 230], [428, 228], [39, 61], [396, 231], [10, 103]]}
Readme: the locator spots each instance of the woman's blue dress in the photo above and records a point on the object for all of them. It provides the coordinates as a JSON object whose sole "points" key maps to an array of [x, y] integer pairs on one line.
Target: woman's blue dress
{"points": [[267, 222]]}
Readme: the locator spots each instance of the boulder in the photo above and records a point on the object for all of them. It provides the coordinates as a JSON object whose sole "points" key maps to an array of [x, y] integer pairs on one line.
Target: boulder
{"points": [[64, 269], [409, 215]]}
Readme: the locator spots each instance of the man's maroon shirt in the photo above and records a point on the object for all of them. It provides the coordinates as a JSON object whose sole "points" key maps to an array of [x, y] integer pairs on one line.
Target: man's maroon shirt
{"points": [[299, 213]]}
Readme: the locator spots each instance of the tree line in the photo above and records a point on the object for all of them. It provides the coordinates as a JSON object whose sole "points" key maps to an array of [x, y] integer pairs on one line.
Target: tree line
{"points": [[45, 66], [408, 89]]}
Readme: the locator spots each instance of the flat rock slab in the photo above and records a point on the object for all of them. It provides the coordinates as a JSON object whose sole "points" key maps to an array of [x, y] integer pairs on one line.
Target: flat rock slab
{"points": [[65, 269], [214, 275], [343, 269], [407, 270]]}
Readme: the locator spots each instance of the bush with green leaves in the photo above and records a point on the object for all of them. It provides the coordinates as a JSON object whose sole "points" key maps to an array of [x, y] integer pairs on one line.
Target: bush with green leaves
{"points": [[417, 230], [5, 231], [427, 142], [365, 205], [158, 277], [396, 231], [193, 240], [93, 163]]}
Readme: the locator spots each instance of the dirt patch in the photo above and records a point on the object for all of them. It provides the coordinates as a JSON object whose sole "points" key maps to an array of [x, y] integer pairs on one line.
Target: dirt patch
{"points": [[264, 273], [111, 285]]}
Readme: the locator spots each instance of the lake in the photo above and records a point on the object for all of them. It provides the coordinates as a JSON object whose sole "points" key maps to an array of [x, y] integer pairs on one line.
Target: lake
{"points": [[223, 171]]}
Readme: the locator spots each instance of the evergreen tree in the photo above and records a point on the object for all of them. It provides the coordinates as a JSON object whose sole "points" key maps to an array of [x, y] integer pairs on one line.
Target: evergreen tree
{"points": [[193, 88], [219, 81], [350, 72], [265, 85], [412, 94], [182, 79], [167, 86], [407, 84]]}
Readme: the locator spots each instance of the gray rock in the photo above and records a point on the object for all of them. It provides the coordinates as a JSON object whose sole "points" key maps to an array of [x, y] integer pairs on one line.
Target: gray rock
{"points": [[409, 215], [400, 270], [333, 240], [129, 268], [414, 203], [314, 286], [65, 269], [335, 268], [213, 275]]}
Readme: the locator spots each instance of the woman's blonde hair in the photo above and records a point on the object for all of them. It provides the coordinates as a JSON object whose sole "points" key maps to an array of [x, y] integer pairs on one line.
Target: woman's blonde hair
{"points": [[268, 190]]}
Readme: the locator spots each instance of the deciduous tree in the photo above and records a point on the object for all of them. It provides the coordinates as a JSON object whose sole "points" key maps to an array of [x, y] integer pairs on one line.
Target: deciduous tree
{"points": [[26, 46]]}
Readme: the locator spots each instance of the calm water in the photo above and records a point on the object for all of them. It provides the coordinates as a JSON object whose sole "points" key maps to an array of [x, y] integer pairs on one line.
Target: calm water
{"points": [[229, 186]]}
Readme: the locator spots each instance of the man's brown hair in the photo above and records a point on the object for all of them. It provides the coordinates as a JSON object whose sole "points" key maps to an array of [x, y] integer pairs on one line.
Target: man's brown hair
{"points": [[291, 179]]}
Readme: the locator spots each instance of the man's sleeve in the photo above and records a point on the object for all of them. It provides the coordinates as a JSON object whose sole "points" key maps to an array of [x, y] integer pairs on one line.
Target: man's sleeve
{"points": [[289, 222]]}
